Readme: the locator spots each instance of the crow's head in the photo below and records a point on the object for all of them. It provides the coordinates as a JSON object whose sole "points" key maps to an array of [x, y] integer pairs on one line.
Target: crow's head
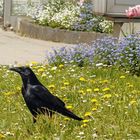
{"points": [[26, 74], [23, 71]]}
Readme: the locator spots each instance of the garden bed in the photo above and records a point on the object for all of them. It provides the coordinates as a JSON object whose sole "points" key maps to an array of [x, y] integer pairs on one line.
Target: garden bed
{"points": [[30, 29]]}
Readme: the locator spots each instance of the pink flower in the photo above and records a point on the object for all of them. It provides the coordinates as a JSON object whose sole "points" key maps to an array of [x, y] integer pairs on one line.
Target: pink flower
{"points": [[133, 11]]}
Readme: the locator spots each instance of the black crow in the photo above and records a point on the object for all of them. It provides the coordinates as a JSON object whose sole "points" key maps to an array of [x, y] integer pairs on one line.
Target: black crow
{"points": [[38, 98]]}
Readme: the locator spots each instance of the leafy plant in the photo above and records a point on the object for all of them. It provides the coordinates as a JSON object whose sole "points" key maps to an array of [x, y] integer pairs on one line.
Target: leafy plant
{"points": [[108, 51], [68, 15], [129, 48]]}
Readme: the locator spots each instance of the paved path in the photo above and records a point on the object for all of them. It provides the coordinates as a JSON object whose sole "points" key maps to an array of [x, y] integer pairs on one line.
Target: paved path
{"points": [[22, 50]]}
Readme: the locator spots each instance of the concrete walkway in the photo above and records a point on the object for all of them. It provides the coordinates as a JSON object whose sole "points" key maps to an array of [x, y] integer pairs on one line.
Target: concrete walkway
{"points": [[22, 50]]}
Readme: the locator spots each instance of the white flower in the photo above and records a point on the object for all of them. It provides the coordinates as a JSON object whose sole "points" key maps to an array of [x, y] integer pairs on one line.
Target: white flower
{"points": [[99, 64]]}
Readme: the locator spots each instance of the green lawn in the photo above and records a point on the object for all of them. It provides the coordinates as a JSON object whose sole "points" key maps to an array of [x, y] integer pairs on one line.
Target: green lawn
{"points": [[107, 98]]}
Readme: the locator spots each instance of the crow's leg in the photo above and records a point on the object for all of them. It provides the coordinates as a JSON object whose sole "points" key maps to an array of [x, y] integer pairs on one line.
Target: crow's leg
{"points": [[34, 119], [50, 114]]}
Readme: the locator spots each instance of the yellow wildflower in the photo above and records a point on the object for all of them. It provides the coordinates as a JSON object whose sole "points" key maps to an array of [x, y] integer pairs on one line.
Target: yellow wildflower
{"points": [[94, 109], [40, 70], [107, 96], [129, 85], [18, 88], [106, 89], [34, 63], [61, 66], [81, 91], [84, 125], [88, 114], [94, 100], [85, 121], [2, 136], [89, 90], [122, 77], [63, 88], [65, 99], [82, 79], [66, 119], [51, 86], [66, 83], [92, 81], [133, 102], [96, 89], [69, 107], [105, 81], [9, 93]]}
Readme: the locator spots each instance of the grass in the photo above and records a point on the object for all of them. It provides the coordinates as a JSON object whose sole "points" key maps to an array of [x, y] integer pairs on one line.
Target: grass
{"points": [[107, 98]]}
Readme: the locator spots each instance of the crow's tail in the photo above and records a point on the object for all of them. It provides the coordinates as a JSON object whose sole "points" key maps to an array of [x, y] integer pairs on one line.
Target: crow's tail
{"points": [[69, 114]]}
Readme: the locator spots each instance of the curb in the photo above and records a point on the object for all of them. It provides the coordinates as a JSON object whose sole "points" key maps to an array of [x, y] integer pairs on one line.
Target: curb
{"points": [[26, 27]]}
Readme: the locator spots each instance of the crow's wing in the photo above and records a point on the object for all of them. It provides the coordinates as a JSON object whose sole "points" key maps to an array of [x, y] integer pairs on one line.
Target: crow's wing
{"points": [[43, 95]]}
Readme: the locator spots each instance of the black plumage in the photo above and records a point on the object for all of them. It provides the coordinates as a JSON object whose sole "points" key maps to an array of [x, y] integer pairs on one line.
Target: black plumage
{"points": [[38, 98]]}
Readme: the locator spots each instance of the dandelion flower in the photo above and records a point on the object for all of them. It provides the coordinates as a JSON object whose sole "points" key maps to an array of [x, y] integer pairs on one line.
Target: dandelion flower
{"points": [[40, 70], [94, 100], [65, 99], [107, 96], [94, 109], [133, 102], [66, 119], [61, 66], [122, 77], [18, 88], [106, 89], [88, 114], [105, 81], [51, 86], [63, 88], [89, 90], [69, 107], [82, 79], [96, 89], [81, 91], [129, 85], [85, 121], [2, 136], [84, 125], [66, 83], [34, 63], [92, 81]]}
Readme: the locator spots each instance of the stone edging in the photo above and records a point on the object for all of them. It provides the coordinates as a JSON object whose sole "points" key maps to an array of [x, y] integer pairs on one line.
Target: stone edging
{"points": [[27, 28]]}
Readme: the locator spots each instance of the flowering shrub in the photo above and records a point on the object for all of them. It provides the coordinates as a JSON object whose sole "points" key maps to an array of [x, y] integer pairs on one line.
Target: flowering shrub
{"points": [[67, 15], [108, 51], [80, 55], [129, 48]]}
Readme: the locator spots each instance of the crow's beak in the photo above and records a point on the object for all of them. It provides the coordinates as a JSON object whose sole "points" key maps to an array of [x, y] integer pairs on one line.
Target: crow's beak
{"points": [[16, 69]]}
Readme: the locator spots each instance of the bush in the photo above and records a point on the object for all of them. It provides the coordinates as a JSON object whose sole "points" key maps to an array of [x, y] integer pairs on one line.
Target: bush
{"points": [[67, 15], [80, 55], [129, 48], [108, 51]]}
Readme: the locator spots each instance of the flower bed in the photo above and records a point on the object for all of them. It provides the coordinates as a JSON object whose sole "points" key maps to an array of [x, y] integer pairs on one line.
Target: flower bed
{"points": [[67, 15], [28, 28], [124, 54]]}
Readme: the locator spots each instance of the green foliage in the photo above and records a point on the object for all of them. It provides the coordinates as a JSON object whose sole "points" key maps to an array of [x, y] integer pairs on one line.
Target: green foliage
{"points": [[106, 98], [69, 15]]}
